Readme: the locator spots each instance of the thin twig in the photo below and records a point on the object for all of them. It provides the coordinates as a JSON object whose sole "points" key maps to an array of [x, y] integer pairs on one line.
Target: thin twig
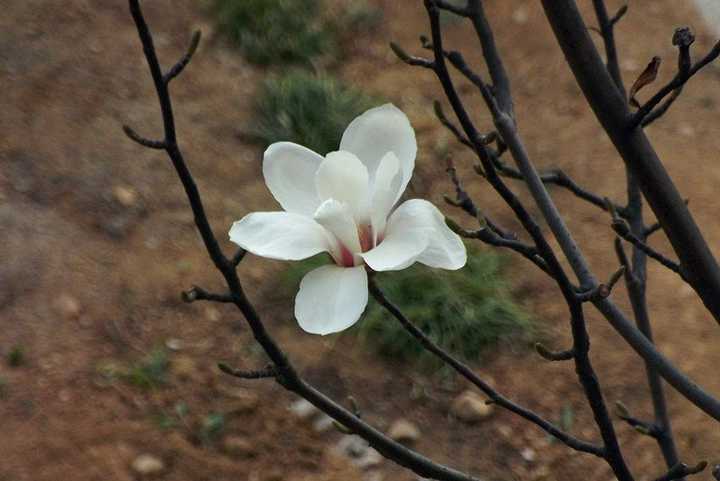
{"points": [[238, 257], [410, 59], [549, 355], [681, 470], [177, 69], [680, 79], [602, 291], [468, 374], [199, 294], [267, 372], [607, 30], [623, 230], [643, 427], [149, 143]]}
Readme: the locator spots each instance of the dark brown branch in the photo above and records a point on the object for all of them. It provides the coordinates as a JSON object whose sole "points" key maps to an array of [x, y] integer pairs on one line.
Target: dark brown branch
{"points": [[555, 177], [450, 7], [500, 80], [440, 114], [662, 109], [610, 107], [681, 470], [549, 355], [199, 294], [238, 257], [643, 427], [185, 60], [682, 39], [267, 372], [619, 14], [468, 374], [623, 230], [505, 126], [489, 237], [411, 59], [607, 31], [635, 280], [150, 144], [602, 291], [651, 229]]}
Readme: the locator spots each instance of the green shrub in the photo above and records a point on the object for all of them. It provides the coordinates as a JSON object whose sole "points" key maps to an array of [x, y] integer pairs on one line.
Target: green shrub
{"points": [[150, 372], [16, 356], [211, 427], [307, 109], [276, 31], [465, 311]]}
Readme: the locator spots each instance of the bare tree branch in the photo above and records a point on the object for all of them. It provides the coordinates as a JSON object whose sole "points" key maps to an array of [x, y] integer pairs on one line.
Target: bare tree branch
{"points": [[681, 470], [468, 374], [682, 39], [199, 294], [506, 128], [610, 108]]}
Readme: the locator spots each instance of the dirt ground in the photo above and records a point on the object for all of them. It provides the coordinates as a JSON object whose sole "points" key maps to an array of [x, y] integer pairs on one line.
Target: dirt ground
{"points": [[97, 242]]}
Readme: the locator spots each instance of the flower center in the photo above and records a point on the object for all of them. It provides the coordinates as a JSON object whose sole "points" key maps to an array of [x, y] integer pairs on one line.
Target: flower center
{"points": [[365, 235]]}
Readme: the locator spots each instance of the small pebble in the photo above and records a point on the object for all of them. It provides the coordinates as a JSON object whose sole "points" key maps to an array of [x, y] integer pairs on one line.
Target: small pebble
{"points": [[125, 196], [174, 344], [403, 431], [470, 407], [68, 306], [148, 465], [528, 454], [303, 409], [323, 423]]}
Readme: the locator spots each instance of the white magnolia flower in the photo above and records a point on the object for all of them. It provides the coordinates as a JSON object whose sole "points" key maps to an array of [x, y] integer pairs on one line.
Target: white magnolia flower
{"points": [[343, 204]]}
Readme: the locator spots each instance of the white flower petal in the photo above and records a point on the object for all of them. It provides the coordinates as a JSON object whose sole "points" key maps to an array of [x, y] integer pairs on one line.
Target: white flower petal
{"points": [[331, 299], [445, 249], [343, 177], [406, 238], [289, 171], [386, 191], [279, 235], [378, 131], [337, 218]]}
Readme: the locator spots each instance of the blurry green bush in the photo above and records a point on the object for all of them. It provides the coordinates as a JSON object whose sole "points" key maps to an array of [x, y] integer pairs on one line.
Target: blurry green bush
{"points": [[465, 312], [291, 31], [308, 109]]}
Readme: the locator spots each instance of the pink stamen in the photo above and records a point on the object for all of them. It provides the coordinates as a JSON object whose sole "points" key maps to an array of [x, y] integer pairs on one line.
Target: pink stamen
{"points": [[366, 238], [346, 257]]}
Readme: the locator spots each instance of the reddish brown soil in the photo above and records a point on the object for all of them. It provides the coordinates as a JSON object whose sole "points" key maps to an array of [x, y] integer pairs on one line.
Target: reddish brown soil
{"points": [[87, 216]]}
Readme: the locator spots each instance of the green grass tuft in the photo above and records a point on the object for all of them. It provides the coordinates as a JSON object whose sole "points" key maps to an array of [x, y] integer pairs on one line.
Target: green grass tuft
{"points": [[307, 109], [212, 426], [16, 356], [276, 31], [150, 372], [466, 311]]}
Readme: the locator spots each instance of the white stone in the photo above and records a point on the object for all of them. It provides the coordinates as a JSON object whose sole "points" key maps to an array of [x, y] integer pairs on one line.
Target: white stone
{"points": [[148, 465], [403, 431], [470, 407]]}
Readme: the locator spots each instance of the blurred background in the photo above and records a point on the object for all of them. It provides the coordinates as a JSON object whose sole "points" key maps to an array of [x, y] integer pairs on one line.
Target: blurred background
{"points": [[106, 375]]}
